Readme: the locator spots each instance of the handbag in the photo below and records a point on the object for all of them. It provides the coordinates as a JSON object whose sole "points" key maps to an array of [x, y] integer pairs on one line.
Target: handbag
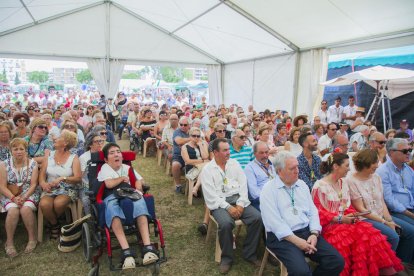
{"points": [[127, 192], [15, 189], [115, 113], [193, 173]]}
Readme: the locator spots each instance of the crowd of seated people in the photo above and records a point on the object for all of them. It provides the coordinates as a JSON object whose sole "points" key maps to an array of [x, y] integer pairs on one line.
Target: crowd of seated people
{"points": [[325, 187]]}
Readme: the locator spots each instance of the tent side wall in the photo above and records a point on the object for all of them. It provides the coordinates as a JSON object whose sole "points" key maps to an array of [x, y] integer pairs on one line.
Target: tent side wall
{"points": [[265, 83]]}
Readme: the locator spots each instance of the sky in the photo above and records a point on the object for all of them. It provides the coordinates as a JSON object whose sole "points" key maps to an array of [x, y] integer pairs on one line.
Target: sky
{"points": [[48, 65]]}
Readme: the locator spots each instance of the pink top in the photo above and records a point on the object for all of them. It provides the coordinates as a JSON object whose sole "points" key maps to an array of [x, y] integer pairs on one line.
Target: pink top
{"points": [[370, 191]]}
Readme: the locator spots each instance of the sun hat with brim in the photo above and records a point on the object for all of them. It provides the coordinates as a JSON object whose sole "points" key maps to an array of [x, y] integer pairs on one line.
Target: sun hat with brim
{"points": [[297, 118], [71, 235], [360, 109]]}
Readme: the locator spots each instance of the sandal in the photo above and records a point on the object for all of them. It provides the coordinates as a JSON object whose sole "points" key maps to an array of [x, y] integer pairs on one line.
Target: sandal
{"points": [[55, 231], [11, 251], [31, 245]]}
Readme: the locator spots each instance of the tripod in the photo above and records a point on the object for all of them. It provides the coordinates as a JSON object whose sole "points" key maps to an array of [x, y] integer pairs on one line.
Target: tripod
{"points": [[381, 98]]}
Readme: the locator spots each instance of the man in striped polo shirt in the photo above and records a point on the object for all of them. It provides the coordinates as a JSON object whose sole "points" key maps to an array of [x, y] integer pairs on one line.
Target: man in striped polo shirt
{"points": [[238, 150]]}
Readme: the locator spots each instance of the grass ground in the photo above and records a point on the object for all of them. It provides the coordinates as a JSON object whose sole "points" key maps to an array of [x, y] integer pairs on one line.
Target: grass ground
{"points": [[186, 250]]}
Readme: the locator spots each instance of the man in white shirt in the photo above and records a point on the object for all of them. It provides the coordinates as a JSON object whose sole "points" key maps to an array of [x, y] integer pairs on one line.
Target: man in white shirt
{"points": [[292, 222], [225, 193], [335, 111], [325, 142], [349, 114]]}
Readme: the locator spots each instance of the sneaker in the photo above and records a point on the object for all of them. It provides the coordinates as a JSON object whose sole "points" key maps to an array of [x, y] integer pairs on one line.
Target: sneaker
{"points": [[202, 228], [129, 263], [149, 258], [179, 189]]}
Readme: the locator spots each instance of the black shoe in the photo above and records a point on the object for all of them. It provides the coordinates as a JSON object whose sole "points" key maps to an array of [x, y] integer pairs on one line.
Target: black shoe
{"points": [[202, 228]]}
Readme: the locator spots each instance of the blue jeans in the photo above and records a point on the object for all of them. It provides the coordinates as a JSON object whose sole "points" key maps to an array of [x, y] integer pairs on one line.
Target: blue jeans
{"points": [[405, 250], [392, 236]]}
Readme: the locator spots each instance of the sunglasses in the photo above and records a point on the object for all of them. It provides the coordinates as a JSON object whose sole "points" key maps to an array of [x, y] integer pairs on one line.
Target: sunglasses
{"points": [[36, 110], [381, 142], [220, 131], [98, 141], [242, 137], [184, 125], [22, 120], [195, 136], [404, 151], [42, 127], [103, 133], [70, 126]]}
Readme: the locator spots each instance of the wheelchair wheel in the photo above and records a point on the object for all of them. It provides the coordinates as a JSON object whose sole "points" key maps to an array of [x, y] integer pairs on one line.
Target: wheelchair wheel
{"points": [[131, 145], [94, 271], [86, 242], [156, 269]]}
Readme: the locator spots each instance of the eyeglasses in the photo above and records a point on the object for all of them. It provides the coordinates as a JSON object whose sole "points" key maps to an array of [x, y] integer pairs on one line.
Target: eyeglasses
{"points": [[183, 125], [220, 131], [381, 142], [225, 124], [243, 137], [37, 110], [21, 120], [98, 141], [103, 133], [404, 151], [42, 127], [70, 126], [195, 136]]}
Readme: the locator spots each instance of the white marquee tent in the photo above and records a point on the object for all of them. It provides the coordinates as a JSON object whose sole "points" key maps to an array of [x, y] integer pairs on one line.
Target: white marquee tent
{"points": [[269, 53]]}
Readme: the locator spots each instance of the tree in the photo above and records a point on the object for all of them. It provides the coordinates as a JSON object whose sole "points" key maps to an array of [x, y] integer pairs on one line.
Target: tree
{"points": [[131, 76], [17, 79], [188, 74], [170, 74], [38, 77], [3, 76], [84, 76]]}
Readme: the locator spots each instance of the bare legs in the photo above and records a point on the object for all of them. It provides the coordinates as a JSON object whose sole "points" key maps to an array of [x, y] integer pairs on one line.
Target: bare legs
{"points": [[53, 208], [120, 235]]}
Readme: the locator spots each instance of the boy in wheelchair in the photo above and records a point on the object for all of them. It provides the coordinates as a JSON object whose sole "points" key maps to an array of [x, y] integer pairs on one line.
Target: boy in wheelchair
{"points": [[114, 174]]}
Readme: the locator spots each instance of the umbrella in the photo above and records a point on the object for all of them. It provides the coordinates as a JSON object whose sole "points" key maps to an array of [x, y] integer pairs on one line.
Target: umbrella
{"points": [[389, 82]]}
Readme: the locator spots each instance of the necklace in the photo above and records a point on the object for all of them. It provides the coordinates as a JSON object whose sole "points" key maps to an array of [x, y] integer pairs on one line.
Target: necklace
{"points": [[60, 161]]}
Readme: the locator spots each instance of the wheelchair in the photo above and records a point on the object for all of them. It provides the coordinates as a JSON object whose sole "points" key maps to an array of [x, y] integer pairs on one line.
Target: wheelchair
{"points": [[96, 236]]}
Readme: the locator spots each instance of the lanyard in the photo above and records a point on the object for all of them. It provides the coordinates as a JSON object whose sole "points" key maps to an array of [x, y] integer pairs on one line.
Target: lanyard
{"points": [[266, 170], [292, 199], [225, 181]]}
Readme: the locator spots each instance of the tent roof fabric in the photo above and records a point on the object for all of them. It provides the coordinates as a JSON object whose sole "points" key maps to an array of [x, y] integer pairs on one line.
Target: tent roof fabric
{"points": [[193, 31]]}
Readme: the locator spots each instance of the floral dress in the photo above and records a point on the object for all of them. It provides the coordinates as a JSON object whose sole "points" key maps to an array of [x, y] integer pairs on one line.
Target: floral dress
{"points": [[38, 149], [363, 247], [54, 171], [22, 179], [4, 153]]}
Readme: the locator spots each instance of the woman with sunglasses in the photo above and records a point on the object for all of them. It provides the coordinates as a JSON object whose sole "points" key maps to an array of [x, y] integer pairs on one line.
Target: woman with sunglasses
{"points": [[59, 179], [94, 142], [106, 134], [54, 131], [19, 194], [21, 120], [38, 140], [72, 126]]}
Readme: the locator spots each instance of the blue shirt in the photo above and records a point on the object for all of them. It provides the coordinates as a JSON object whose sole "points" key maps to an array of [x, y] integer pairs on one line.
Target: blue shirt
{"points": [[277, 210], [176, 147], [398, 186], [257, 176], [309, 174], [243, 156]]}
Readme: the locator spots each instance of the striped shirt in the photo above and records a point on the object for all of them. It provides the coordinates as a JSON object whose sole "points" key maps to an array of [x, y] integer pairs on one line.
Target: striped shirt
{"points": [[243, 156]]}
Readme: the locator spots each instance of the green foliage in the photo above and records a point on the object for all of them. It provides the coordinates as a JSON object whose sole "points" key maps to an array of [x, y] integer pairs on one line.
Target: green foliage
{"points": [[132, 76], [204, 78], [38, 76], [84, 76], [3, 76], [188, 74], [170, 74], [17, 79]]}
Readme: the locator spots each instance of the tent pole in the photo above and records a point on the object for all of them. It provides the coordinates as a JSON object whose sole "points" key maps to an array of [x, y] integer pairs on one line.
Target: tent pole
{"points": [[107, 46], [384, 117], [296, 85]]}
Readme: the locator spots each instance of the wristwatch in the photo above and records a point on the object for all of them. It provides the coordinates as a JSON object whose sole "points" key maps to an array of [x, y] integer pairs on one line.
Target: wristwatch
{"points": [[315, 233], [65, 178]]}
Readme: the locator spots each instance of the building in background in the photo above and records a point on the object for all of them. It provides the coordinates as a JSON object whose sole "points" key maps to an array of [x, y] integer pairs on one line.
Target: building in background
{"points": [[13, 67], [64, 75], [198, 73]]}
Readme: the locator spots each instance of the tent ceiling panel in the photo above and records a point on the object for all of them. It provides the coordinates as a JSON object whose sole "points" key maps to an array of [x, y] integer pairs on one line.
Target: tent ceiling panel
{"points": [[168, 14], [132, 38], [230, 37], [41, 9], [320, 22], [12, 15], [73, 35]]}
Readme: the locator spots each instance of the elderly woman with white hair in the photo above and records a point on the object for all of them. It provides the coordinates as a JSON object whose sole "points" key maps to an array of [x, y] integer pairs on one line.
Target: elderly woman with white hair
{"points": [[94, 143], [359, 140]]}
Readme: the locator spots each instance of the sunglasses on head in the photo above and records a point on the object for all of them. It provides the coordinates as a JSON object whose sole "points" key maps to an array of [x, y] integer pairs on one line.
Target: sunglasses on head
{"points": [[42, 127], [195, 136], [184, 125], [404, 151]]}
